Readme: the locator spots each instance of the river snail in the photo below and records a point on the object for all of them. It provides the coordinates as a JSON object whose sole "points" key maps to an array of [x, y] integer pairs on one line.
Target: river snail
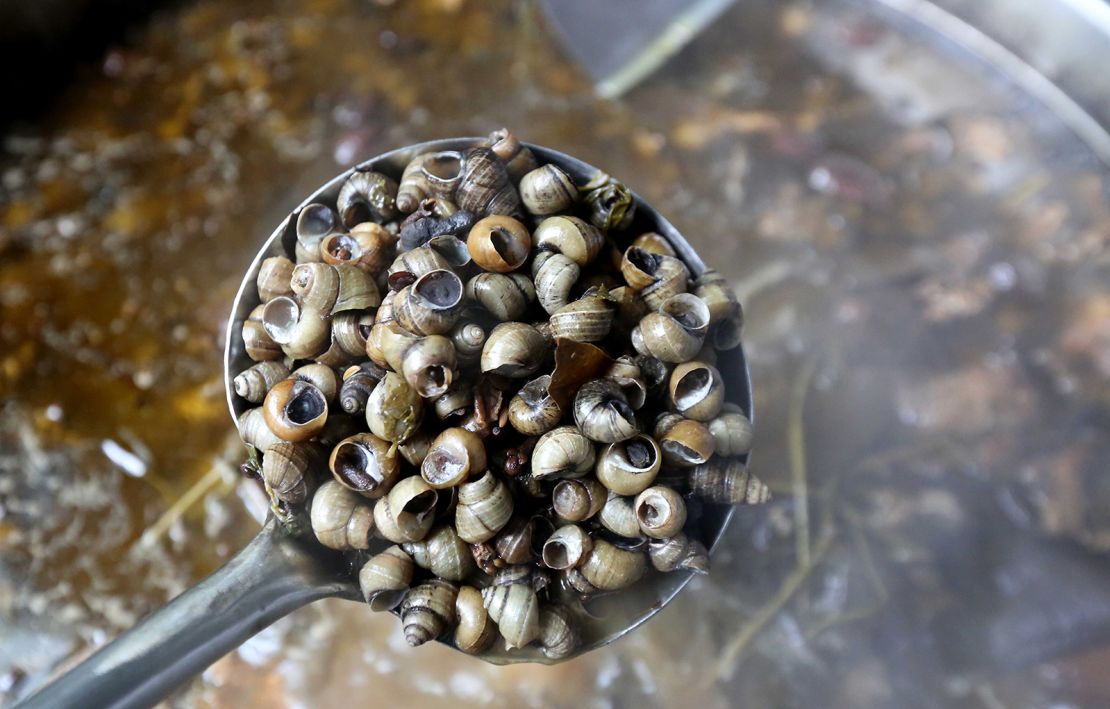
{"points": [[655, 276], [469, 338], [456, 402], [678, 553], [618, 515], [563, 453], [728, 481], [253, 383], [629, 467], [610, 202], [428, 610], [566, 547], [602, 412], [430, 304], [577, 500], [443, 553], [505, 297], [454, 455], [394, 410], [358, 383], [367, 196], [301, 333], [485, 506], [687, 443], [313, 223], [572, 237], [655, 243], [295, 410], [366, 464], [587, 319], [515, 608], [322, 377], [660, 511], [348, 338], [558, 636], [406, 513], [547, 190], [518, 158], [553, 278], [732, 430], [384, 578], [340, 518], [514, 350], [273, 278], [287, 472], [476, 631], [257, 342], [696, 390], [484, 187], [609, 568], [533, 411], [499, 243], [674, 333]]}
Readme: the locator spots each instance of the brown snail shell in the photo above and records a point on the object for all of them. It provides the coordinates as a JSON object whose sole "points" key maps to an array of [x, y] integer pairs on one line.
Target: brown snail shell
{"points": [[287, 473], [385, 578], [726, 333], [314, 222], [602, 412], [610, 568], [442, 553], [395, 409], [430, 305], [485, 506], [629, 467], [376, 247], [664, 422], [516, 610], [533, 411], [506, 297], [348, 338], [514, 350], [518, 158], [419, 261], [413, 187], [675, 333], [618, 515], [610, 202], [630, 306], [468, 338], [558, 636], [513, 544], [657, 277], [407, 511], [485, 187], [428, 611], [442, 172], [427, 363], [316, 284], [625, 372], [455, 455], [554, 277], [587, 319], [321, 376], [366, 464], [679, 553], [458, 400], [687, 443], [575, 581], [562, 453], [301, 333], [578, 500], [566, 547], [696, 390], [712, 288], [579, 241], [728, 481], [257, 343], [476, 630], [367, 196], [273, 278], [358, 383], [499, 243], [340, 518], [733, 431], [253, 383], [655, 243], [295, 410], [660, 511], [547, 190], [254, 431]]}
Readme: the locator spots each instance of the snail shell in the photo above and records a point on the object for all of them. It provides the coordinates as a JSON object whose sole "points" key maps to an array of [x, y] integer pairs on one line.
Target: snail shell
{"points": [[414, 186], [657, 277], [579, 241], [286, 471], [558, 636], [301, 333], [254, 431], [485, 506], [428, 610], [376, 247], [655, 243], [631, 308], [348, 338], [442, 172], [485, 187], [533, 411], [456, 401], [367, 196], [712, 288], [513, 543], [358, 383], [340, 518], [603, 413], [660, 511], [562, 453], [610, 568], [257, 343], [454, 455], [578, 500], [547, 190], [679, 553], [442, 553], [618, 515], [514, 350], [469, 338], [415, 448], [324, 288], [696, 391], [625, 372], [314, 222], [506, 297], [675, 332], [427, 363], [554, 278], [566, 548], [394, 410], [385, 578], [687, 443], [499, 243], [727, 481], [253, 383], [726, 333], [273, 278], [407, 512], [430, 305], [518, 158], [295, 410], [366, 464], [629, 467], [516, 610], [610, 202], [321, 376], [732, 430], [476, 630], [655, 374], [587, 319], [420, 261]]}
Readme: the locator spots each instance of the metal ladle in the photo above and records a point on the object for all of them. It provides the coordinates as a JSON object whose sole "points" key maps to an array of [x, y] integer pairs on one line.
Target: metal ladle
{"points": [[279, 572]]}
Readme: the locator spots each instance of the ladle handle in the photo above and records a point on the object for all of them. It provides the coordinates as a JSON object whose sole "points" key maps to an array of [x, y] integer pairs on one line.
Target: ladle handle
{"points": [[273, 576]]}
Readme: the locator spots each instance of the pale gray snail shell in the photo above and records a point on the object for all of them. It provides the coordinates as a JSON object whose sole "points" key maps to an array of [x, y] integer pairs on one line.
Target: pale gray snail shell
{"points": [[513, 350], [619, 516], [430, 305], [273, 278], [367, 196], [562, 453], [660, 511], [427, 363], [587, 319], [558, 636], [485, 187], [358, 383], [577, 500], [366, 464], [687, 443], [295, 410], [675, 333], [385, 578], [554, 277], [506, 297], [314, 222], [407, 512], [254, 431], [655, 276], [253, 383], [732, 430], [696, 390], [572, 237], [476, 631], [566, 547], [395, 409], [728, 481], [413, 187], [348, 338], [485, 506], [679, 553], [532, 411], [469, 338], [301, 333], [629, 467], [443, 553], [518, 158], [626, 373], [455, 454], [515, 609], [328, 289], [341, 519], [322, 377], [287, 472], [602, 412], [547, 190], [441, 172], [610, 568], [421, 260], [428, 611]]}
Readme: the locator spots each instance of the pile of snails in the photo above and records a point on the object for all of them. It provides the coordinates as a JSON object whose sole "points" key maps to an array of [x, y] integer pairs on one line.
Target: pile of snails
{"points": [[477, 361]]}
